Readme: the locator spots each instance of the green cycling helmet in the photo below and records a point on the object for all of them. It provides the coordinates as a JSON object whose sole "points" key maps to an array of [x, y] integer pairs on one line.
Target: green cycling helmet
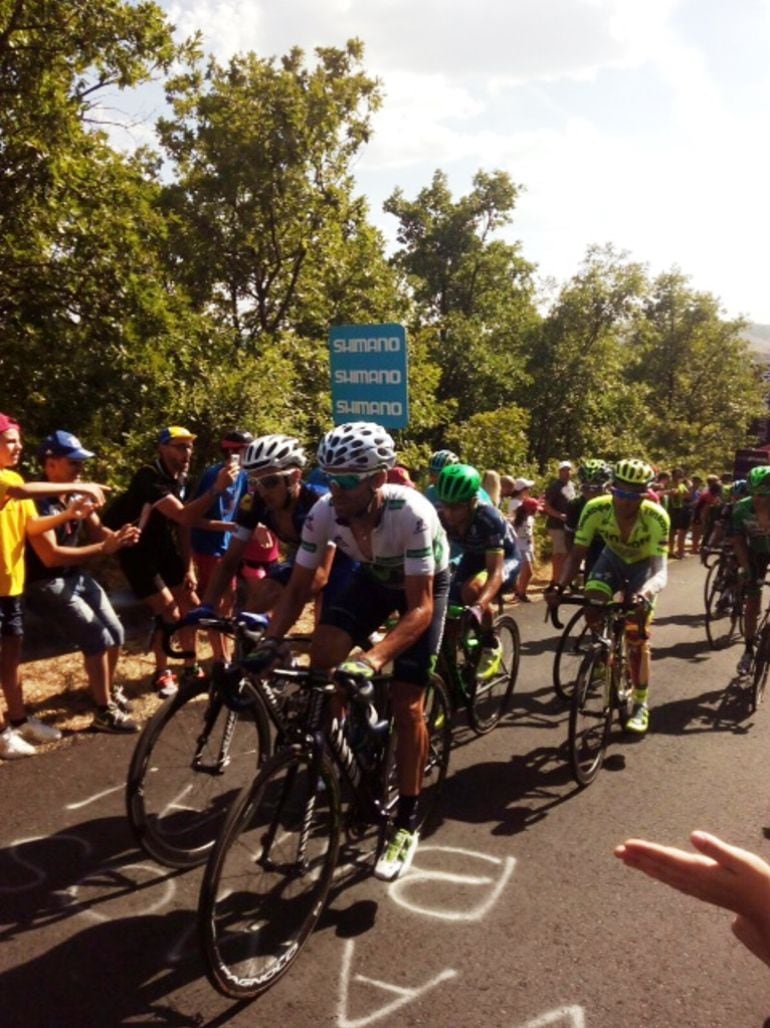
{"points": [[441, 458], [594, 472], [634, 474], [458, 483], [759, 481]]}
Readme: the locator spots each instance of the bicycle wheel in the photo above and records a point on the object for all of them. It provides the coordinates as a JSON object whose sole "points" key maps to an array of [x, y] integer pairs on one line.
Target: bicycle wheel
{"points": [[191, 760], [489, 700], [590, 716], [572, 647], [268, 876], [723, 608], [437, 716], [761, 669]]}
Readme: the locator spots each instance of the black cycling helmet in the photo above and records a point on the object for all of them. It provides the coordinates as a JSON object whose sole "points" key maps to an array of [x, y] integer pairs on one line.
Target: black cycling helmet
{"points": [[236, 439]]}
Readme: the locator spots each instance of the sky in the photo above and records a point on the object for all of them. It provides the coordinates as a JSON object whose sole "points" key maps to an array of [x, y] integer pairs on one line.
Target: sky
{"points": [[641, 123]]}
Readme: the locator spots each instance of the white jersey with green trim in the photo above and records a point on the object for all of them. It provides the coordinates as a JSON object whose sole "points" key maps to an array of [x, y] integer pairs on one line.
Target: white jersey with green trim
{"points": [[408, 540]]}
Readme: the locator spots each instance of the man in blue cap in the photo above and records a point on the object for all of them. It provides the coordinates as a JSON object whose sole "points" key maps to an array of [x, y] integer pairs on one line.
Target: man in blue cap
{"points": [[57, 587]]}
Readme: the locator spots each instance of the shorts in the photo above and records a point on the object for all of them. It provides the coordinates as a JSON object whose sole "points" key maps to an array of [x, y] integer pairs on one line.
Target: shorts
{"points": [[612, 575], [758, 563], [11, 617], [80, 608], [148, 574], [558, 541], [680, 519], [255, 569], [206, 564], [364, 604], [526, 553], [466, 572]]}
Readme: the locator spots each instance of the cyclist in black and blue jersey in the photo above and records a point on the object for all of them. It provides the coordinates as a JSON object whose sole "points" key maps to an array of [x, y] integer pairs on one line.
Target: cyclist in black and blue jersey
{"points": [[486, 541], [281, 501]]}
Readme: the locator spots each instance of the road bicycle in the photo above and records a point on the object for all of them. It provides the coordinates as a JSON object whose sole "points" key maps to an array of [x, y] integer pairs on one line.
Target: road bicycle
{"points": [[486, 701], [760, 664], [571, 648], [196, 753], [268, 875], [603, 686], [724, 598]]}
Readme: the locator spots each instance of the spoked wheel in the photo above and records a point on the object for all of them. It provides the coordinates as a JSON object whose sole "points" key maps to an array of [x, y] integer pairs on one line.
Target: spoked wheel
{"points": [[269, 875], [724, 608], [490, 699], [761, 670], [590, 716], [190, 762], [437, 716], [572, 647]]}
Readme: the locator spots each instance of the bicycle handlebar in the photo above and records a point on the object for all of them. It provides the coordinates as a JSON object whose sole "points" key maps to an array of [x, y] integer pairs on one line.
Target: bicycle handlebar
{"points": [[242, 621], [583, 601]]}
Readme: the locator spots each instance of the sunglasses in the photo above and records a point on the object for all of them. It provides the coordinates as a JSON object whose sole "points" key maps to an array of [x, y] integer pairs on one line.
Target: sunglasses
{"points": [[626, 494], [348, 481], [267, 481]]}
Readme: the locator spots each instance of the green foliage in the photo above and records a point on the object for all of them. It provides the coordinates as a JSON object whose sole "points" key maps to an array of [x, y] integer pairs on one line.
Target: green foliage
{"points": [[492, 439]]}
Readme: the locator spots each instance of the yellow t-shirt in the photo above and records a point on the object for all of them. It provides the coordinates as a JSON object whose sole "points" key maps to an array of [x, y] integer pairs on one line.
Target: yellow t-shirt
{"points": [[14, 515]]}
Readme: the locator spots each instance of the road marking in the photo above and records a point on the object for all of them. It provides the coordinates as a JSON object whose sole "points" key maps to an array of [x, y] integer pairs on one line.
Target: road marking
{"points": [[39, 875], [416, 876], [575, 1018], [403, 995], [94, 798]]}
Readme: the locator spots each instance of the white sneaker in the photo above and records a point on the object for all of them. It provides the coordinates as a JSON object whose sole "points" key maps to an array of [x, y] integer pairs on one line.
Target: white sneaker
{"points": [[12, 746], [35, 730], [397, 858]]}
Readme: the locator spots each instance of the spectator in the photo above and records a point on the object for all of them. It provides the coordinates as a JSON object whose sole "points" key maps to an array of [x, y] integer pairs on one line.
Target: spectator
{"points": [[491, 483], [679, 511], [524, 507], [399, 475], [58, 588], [723, 875], [506, 496], [210, 535], [19, 520], [556, 504], [159, 568]]}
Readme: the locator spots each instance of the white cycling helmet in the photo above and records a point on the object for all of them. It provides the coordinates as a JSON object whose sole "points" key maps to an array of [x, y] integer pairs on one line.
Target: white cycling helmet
{"points": [[273, 451], [360, 445]]}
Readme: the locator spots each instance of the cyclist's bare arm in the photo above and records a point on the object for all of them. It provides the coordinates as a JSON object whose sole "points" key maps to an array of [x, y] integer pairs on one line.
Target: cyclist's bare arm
{"points": [[292, 602], [225, 570]]}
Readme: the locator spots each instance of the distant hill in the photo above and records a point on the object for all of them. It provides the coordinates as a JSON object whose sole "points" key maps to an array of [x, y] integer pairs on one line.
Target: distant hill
{"points": [[758, 338]]}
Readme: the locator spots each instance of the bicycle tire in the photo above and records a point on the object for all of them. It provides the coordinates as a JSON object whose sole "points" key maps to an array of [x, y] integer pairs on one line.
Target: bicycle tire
{"points": [[723, 609], [590, 717], [570, 651], [438, 718], [490, 700], [175, 812], [257, 908], [761, 669]]}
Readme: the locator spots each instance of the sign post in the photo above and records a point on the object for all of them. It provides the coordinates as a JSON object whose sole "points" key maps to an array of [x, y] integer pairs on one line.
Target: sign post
{"points": [[369, 374]]}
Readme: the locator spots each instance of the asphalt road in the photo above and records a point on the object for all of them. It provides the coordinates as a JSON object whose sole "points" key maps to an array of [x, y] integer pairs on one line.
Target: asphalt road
{"points": [[515, 913]]}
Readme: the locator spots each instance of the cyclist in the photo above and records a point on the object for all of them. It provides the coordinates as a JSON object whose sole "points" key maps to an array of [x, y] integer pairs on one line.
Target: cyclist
{"points": [[633, 561], [438, 461], [396, 538], [281, 502], [749, 530], [594, 477], [488, 562]]}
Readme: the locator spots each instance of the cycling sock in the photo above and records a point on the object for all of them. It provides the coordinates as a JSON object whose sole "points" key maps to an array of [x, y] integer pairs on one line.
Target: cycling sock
{"points": [[406, 813]]}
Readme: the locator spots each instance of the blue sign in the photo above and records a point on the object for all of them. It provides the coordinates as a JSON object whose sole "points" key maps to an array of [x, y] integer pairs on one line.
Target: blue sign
{"points": [[369, 370]]}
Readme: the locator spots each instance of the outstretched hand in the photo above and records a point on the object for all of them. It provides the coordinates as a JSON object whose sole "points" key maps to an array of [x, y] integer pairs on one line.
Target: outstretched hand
{"points": [[723, 875]]}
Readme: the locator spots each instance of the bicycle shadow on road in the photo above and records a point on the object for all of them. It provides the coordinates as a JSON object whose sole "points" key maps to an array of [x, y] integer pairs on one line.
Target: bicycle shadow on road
{"points": [[695, 651], [722, 710]]}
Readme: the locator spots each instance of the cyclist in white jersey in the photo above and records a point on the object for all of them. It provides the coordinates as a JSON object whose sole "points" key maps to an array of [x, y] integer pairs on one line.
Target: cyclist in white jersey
{"points": [[396, 537]]}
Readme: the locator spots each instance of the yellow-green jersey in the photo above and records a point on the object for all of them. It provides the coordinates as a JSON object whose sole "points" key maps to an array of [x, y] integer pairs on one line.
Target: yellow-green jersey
{"points": [[648, 537]]}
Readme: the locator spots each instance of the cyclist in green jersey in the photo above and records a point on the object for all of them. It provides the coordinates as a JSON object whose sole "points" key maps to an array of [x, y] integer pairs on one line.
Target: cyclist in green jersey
{"points": [[749, 531], [635, 532]]}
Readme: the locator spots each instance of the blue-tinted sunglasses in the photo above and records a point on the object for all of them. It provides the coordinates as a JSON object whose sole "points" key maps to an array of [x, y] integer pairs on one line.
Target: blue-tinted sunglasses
{"points": [[626, 494], [348, 481]]}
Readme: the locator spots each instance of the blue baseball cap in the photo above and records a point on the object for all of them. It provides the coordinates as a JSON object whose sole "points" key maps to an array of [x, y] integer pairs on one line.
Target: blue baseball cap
{"points": [[63, 444]]}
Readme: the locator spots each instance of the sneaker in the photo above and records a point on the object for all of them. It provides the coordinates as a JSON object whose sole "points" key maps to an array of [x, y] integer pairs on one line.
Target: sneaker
{"points": [[166, 684], [523, 598], [12, 746], [120, 699], [490, 661], [33, 730], [113, 719], [639, 720], [397, 858], [744, 664]]}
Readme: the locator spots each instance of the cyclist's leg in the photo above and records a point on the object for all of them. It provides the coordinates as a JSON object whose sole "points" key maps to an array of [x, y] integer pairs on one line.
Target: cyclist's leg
{"points": [[758, 563]]}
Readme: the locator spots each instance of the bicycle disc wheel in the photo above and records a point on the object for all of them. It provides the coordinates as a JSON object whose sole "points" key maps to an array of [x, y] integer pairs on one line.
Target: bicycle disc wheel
{"points": [[723, 609], [437, 716], [570, 650], [191, 760], [268, 876], [761, 670], [490, 699], [590, 716]]}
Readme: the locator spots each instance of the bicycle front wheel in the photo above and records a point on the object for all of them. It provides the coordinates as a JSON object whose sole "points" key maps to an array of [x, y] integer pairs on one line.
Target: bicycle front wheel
{"points": [[590, 716], [761, 669], [572, 647], [268, 876], [723, 608], [191, 760], [490, 699]]}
